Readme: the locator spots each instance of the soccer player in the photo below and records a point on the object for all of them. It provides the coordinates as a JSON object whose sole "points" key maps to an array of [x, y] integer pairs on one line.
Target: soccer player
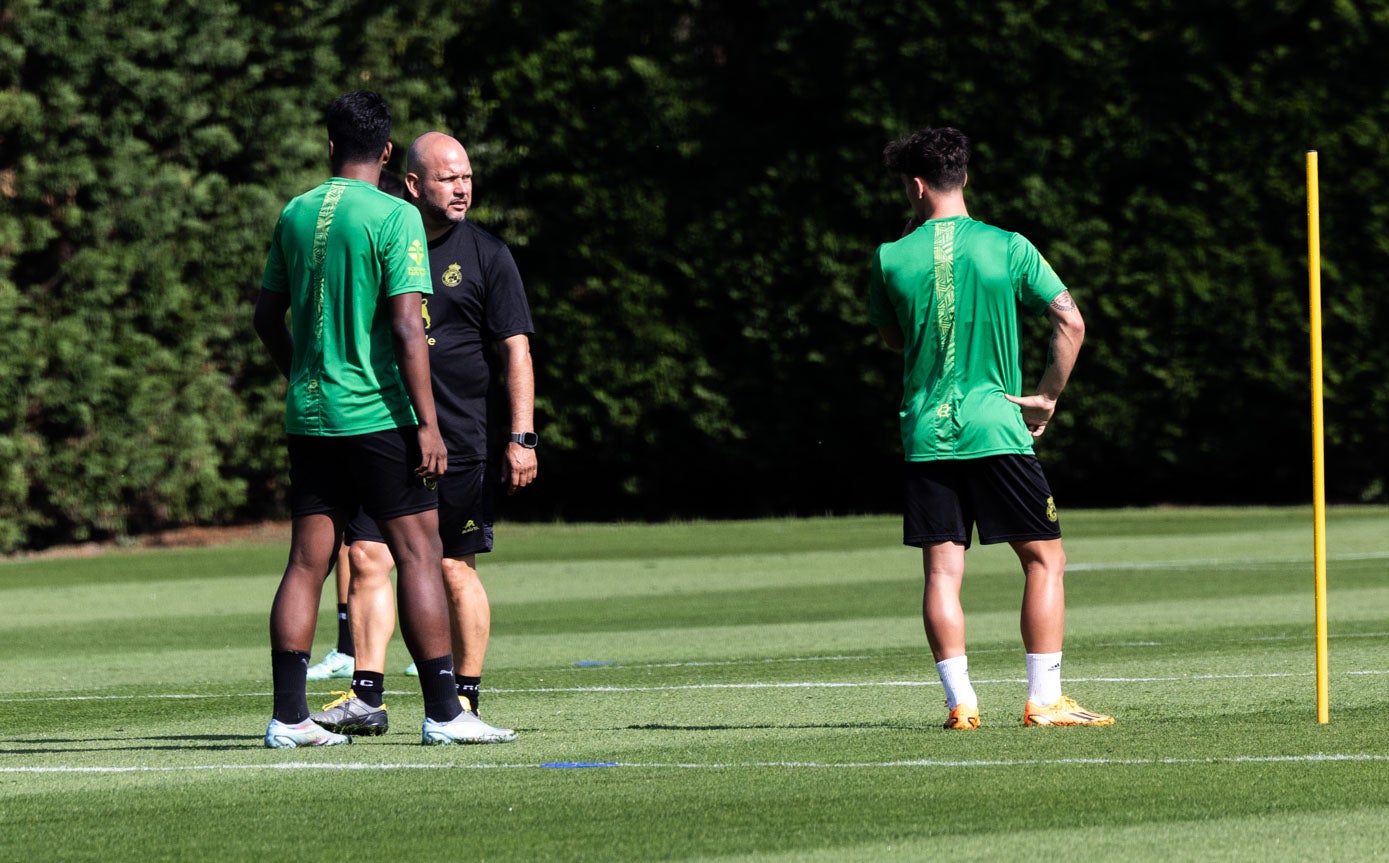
{"points": [[348, 262], [339, 661], [478, 322], [947, 296]]}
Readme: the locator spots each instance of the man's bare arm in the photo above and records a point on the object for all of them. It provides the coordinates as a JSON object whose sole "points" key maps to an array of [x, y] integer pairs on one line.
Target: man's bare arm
{"points": [[1067, 335], [520, 467], [269, 323]]}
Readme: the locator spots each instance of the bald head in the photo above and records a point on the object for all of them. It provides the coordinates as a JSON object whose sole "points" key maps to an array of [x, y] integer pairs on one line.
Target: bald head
{"points": [[439, 178]]}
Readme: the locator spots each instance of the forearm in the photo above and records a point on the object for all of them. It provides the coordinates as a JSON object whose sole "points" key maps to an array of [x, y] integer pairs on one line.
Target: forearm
{"points": [[412, 356], [1062, 352], [1067, 335], [269, 324], [520, 388]]}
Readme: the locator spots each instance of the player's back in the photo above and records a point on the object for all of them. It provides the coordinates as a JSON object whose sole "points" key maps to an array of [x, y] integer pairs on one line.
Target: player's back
{"points": [[344, 248], [952, 285]]}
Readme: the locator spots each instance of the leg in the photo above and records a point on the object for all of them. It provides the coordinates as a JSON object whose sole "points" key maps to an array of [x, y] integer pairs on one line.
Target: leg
{"points": [[1044, 596], [471, 618], [344, 573], [372, 603], [944, 619], [346, 646], [313, 542], [338, 663], [470, 613], [941, 612], [361, 710], [315, 500], [1043, 631], [414, 544]]}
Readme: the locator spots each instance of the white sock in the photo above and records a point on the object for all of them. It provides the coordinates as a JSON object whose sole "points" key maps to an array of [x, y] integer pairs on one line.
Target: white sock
{"points": [[1044, 678], [954, 676]]}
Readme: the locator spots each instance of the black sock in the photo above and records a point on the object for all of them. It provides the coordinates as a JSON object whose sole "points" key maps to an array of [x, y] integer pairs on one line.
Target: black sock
{"points": [[439, 689], [345, 644], [369, 686], [471, 689], [290, 669]]}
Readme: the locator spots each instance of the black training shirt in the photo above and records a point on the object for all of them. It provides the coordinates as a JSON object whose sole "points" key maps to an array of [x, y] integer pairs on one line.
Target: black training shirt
{"points": [[478, 300]]}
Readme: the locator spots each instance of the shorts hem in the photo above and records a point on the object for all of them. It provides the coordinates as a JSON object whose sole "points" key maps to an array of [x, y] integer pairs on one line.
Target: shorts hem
{"points": [[1020, 537], [920, 541], [450, 553], [407, 510]]}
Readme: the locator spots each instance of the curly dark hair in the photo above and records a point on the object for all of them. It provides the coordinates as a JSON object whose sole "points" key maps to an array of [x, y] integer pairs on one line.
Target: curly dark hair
{"points": [[359, 125], [938, 156]]}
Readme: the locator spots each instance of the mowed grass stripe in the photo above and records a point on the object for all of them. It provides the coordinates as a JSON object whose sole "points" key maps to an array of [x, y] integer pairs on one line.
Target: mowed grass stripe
{"points": [[1208, 670], [656, 813]]}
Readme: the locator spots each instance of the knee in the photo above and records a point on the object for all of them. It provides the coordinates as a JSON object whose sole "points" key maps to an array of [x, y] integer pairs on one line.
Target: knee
{"points": [[422, 552], [372, 559], [1052, 571]]}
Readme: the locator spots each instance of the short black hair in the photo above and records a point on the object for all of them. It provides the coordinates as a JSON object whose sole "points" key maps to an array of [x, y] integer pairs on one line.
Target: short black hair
{"points": [[359, 125], [938, 156]]}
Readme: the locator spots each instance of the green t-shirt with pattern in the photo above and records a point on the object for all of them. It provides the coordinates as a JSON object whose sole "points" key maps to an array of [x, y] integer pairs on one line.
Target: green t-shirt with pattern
{"points": [[340, 251], [954, 286]]}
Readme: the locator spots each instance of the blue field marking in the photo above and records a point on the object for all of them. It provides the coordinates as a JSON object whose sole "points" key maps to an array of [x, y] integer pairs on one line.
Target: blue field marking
{"points": [[569, 765], [592, 663]]}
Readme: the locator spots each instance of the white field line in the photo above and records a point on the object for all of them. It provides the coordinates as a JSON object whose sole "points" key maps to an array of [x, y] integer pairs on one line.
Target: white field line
{"points": [[1215, 562], [1312, 758], [804, 684], [728, 662]]}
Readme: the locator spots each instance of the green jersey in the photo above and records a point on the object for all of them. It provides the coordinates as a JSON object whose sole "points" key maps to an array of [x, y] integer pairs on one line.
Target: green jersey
{"points": [[954, 287], [340, 251]]}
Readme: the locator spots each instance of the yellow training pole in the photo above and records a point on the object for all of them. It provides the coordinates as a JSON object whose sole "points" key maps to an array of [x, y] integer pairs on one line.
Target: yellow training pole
{"points": [[1318, 435]]}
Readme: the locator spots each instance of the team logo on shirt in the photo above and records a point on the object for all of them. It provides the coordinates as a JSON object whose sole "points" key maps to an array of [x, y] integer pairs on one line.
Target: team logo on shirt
{"points": [[453, 276], [416, 254]]}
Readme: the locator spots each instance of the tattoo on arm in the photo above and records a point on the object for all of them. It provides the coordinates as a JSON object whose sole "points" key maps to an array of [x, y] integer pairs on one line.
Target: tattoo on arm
{"points": [[1064, 303], [1051, 349]]}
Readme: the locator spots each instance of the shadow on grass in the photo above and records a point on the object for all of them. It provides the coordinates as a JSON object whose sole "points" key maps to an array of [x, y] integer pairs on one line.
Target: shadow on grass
{"points": [[59, 745]]}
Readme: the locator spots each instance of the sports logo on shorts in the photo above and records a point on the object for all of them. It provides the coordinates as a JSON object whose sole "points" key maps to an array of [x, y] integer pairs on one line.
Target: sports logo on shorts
{"points": [[1051, 509], [469, 527], [453, 276]]}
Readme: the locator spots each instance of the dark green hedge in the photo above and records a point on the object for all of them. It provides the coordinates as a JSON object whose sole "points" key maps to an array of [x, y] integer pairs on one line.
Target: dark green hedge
{"points": [[692, 190]]}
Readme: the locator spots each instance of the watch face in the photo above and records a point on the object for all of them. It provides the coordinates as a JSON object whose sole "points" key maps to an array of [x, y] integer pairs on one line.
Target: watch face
{"points": [[526, 439]]}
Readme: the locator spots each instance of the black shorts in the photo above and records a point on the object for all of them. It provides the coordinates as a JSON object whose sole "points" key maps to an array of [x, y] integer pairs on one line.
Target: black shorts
{"points": [[465, 512], [374, 472], [1005, 496]]}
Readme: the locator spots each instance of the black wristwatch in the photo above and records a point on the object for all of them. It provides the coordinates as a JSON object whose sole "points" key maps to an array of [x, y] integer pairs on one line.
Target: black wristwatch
{"points": [[525, 439]]}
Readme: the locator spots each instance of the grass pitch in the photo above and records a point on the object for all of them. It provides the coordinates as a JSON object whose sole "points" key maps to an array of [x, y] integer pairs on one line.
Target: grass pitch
{"points": [[733, 691]]}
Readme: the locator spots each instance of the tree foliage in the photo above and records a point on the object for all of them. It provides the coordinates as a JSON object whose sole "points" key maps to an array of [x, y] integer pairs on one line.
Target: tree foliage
{"points": [[692, 190]]}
